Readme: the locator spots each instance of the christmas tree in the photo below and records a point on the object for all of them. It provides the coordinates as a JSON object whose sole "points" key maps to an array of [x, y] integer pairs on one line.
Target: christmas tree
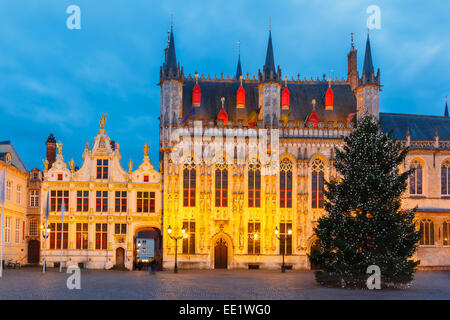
{"points": [[364, 224]]}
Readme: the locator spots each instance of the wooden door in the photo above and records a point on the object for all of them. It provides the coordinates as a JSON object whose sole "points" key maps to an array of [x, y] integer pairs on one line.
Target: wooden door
{"points": [[33, 251], [220, 255], [120, 257]]}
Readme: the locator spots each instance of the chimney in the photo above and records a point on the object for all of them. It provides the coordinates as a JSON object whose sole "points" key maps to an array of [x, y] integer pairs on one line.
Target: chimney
{"points": [[51, 150]]}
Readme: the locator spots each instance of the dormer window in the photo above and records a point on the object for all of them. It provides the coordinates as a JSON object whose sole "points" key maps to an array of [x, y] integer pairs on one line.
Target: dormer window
{"points": [[102, 168], [60, 176]]}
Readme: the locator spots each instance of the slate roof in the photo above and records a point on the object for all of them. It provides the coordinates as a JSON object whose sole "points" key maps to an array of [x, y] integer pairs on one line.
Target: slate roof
{"points": [[5, 147], [421, 127], [301, 96]]}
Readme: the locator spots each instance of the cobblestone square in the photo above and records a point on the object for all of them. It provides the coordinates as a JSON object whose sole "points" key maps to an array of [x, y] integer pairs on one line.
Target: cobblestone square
{"points": [[30, 283]]}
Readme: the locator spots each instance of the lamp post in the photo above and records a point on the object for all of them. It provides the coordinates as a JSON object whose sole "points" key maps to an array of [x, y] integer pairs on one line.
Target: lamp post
{"points": [[282, 243], [182, 235], [45, 233]]}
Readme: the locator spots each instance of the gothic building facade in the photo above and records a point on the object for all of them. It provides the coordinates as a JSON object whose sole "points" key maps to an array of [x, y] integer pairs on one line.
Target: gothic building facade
{"points": [[244, 160]]}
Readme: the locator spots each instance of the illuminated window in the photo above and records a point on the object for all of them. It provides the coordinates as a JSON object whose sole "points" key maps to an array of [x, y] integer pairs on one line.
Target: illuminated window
{"points": [[121, 201], [145, 201], [189, 180], [445, 178], [317, 176], [221, 183], [60, 176], [82, 236], [254, 238], [254, 184], [415, 180], [427, 229], [101, 236], [55, 235], [56, 197], [286, 238], [189, 242], [82, 201], [146, 178], [286, 183], [446, 233], [34, 198], [33, 228], [101, 201], [102, 168]]}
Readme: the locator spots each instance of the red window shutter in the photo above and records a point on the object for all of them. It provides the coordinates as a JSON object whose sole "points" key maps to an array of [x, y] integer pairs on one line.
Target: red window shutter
{"points": [[285, 98], [196, 95], [329, 99], [240, 98]]}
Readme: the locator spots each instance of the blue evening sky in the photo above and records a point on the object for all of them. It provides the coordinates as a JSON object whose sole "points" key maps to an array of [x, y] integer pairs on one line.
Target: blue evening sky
{"points": [[57, 80]]}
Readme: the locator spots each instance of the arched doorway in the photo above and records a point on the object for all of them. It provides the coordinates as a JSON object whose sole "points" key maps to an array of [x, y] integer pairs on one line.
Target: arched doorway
{"points": [[33, 251], [220, 254], [147, 246], [120, 257]]}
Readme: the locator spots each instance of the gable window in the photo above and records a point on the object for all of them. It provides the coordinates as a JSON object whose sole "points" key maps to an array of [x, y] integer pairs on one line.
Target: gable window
{"points": [[254, 238], [60, 176], [34, 198], [221, 183], [82, 200], [56, 197], [427, 230], [445, 178], [121, 201], [317, 184], [146, 178], [145, 201], [254, 184], [82, 236], [189, 241], [101, 201], [189, 181], [102, 168], [415, 180]]}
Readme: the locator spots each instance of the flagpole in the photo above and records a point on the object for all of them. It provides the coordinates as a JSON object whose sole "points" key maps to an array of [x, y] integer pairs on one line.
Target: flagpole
{"points": [[63, 207], [44, 267], [2, 188]]}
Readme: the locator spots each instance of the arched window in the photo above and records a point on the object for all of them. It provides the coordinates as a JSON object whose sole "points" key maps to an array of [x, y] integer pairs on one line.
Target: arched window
{"points": [[254, 184], [415, 180], [189, 183], [446, 232], [317, 184], [445, 178], [285, 183], [427, 229], [221, 183]]}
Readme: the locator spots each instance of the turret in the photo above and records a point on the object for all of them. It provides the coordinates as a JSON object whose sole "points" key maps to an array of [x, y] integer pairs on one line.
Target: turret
{"points": [[368, 90], [352, 73], [51, 150]]}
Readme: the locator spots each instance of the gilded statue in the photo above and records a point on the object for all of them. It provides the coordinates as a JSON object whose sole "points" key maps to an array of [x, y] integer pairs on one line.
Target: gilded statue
{"points": [[103, 121]]}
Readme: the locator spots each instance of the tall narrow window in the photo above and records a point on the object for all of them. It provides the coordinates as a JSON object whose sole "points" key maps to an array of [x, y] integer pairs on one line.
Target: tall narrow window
{"points": [[17, 231], [445, 178], [19, 194], [102, 168], [427, 229], [55, 235], [8, 222], [56, 197], [101, 200], [101, 236], [189, 242], [446, 232], [82, 236], [8, 192], [33, 228], [415, 180], [285, 183], [145, 201], [317, 176], [189, 180], [221, 183], [254, 238], [82, 200], [254, 184], [121, 201], [34, 198], [286, 238]]}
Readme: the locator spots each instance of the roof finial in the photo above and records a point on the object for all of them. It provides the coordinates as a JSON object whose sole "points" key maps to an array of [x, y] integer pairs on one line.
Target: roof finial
{"points": [[241, 79], [196, 77], [171, 19], [285, 81], [352, 42], [270, 24], [223, 102], [168, 36], [239, 47], [329, 82]]}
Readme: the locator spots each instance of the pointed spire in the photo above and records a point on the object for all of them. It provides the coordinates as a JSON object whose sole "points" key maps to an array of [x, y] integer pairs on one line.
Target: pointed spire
{"points": [[269, 71], [368, 73], [170, 68], [446, 108], [239, 68]]}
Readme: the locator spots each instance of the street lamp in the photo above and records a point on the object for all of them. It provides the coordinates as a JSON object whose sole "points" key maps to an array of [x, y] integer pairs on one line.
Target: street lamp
{"points": [[182, 235], [45, 233], [282, 243]]}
